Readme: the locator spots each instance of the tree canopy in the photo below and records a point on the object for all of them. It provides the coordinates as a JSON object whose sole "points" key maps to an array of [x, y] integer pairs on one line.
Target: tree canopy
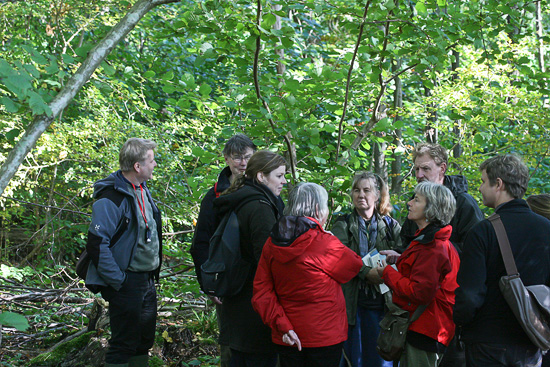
{"points": [[337, 86]]}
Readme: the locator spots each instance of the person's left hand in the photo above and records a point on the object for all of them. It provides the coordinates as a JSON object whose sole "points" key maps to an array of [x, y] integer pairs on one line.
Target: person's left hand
{"points": [[373, 277], [379, 271], [291, 338]]}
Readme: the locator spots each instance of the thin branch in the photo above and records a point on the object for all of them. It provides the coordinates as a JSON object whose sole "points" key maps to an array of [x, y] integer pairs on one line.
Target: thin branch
{"points": [[348, 80], [48, 206]]}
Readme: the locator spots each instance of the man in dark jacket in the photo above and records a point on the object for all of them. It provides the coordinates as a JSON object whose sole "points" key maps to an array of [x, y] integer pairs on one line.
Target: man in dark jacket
{"points": [[125, 247], [430, 164], [492, 334], [237, 151]]}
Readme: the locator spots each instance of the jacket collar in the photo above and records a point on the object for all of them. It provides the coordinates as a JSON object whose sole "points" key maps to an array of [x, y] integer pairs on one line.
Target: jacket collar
{"points": [[512, 205], [432, 232]]}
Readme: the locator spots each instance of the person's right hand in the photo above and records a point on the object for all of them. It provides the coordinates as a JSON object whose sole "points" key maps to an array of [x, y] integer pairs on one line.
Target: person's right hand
{"points": [[215, 299], [291, 338], [391, 256]]}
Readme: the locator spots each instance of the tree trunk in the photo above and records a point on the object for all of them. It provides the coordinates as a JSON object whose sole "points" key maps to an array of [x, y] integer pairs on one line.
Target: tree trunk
{"points": [[431, 131], [396, 178], [457, 131], [96, 55]]}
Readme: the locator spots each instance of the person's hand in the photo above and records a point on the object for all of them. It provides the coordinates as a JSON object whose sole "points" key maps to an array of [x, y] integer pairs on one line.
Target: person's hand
{"points": [[215, 299], [373, 277], [291, 338], [391, 256], [380, 271]]}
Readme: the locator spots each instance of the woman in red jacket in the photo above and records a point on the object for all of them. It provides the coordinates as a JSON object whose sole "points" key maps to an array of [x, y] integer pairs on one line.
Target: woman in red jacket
{"points": [[297, 288], [426, 275]]}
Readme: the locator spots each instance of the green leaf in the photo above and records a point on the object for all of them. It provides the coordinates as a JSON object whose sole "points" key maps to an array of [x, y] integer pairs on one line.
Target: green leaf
{"points": [[109, 70], [205, 89], [383, 124], [268, 21], [83, 50], [38, 105], [12, 134], [9, 104], [6, 69], [168, 76], [15, 320], [149, 74], [421, 7], [35, 55]]}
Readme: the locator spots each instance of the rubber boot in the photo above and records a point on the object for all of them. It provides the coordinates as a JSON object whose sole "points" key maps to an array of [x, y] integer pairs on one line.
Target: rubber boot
{"points": [[139, 361]]}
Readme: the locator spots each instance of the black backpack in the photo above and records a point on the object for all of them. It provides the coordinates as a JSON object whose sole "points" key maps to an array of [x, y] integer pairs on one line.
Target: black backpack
{"points": [[225, 271]]}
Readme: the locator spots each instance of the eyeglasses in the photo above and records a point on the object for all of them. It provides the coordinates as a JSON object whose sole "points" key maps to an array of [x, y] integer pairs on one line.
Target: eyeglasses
{"points": [[240, 158]]}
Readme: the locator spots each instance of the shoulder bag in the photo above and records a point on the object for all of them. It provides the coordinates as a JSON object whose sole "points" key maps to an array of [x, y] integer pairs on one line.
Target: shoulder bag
{"points": [[531, 304], [393, 331]]}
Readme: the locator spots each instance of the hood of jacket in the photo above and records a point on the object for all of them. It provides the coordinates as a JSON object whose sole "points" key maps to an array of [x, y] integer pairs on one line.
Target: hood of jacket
{"points": [[291, 237], [249, 192], [115, 180], [456, 183], [433, 232]]}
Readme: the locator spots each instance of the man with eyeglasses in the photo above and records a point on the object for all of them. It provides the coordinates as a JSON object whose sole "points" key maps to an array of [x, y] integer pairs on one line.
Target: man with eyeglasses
{"points": [[237, 151]]}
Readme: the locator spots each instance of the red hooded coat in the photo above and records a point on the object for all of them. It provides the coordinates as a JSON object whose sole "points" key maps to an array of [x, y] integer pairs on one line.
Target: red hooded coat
{"points": [[297, 283], [426, 275]]}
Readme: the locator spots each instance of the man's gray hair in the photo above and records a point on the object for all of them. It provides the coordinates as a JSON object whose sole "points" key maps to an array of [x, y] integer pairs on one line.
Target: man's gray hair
{"points": [[133, 151], [511, 170], [440, 202], [307, 199], [434, 150]]}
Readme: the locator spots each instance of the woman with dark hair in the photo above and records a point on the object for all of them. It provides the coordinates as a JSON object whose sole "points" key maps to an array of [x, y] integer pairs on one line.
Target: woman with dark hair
{"points": [[369, 227], [255, 195], [540, 204], [426, 276], [297, 286]]}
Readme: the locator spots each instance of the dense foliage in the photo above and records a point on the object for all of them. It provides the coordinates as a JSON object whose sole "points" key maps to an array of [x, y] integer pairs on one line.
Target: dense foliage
{"points": [[336, 86]]}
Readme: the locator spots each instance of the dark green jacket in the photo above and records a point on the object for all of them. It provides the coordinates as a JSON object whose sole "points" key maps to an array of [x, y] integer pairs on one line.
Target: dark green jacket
{"points": [[346, 229]]}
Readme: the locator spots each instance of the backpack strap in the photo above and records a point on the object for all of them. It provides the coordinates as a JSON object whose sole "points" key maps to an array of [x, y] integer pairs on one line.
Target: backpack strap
{"points": [[216, 190], [389, 224]]}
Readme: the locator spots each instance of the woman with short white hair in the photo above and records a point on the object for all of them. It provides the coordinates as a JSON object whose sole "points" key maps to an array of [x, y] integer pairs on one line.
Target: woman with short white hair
{"points": [[297, 288], [426, 275]]}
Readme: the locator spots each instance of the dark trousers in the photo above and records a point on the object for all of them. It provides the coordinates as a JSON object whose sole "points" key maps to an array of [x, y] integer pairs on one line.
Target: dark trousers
{"points": [[133, 317], [502, 355], [310, 357], [454, 355], [242, 359]]}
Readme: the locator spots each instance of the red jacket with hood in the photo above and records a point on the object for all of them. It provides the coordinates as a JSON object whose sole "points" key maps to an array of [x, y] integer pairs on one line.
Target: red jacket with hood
{"points": [[426, 275], [297, 283]]}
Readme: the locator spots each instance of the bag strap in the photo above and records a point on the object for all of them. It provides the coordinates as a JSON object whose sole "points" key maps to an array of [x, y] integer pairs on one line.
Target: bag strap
{"points": [[417, 312], [504, 244]]}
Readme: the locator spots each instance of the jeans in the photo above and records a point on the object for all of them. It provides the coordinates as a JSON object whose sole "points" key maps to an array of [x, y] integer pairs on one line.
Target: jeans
{"points": [[243, 359], [360, 348], [133, 317], [310, 357], [502, 355]]}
